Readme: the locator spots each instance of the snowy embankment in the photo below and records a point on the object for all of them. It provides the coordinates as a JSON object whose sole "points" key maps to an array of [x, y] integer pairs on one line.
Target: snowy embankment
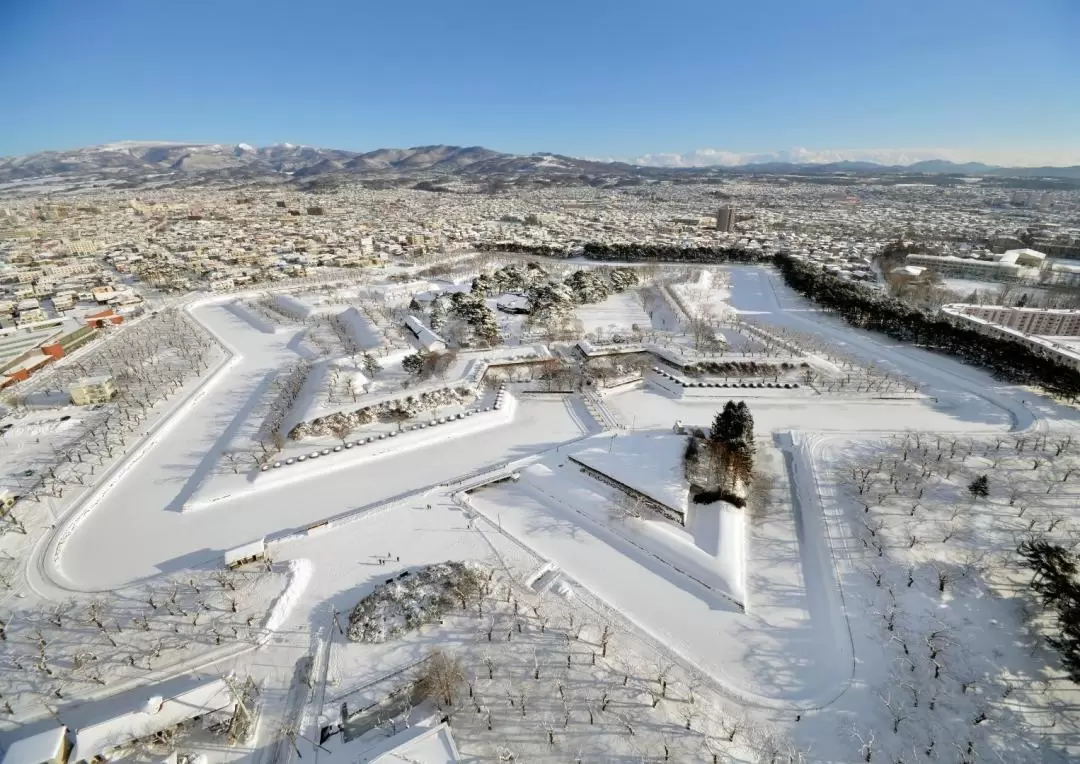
{"points": [[661, 540], [300, 572], [680, 388], [701, 627], [650, 463], [312, 468], [360, 329], [291, 306], [311, 400], [967, 392], [824, 594], [245, 313]]}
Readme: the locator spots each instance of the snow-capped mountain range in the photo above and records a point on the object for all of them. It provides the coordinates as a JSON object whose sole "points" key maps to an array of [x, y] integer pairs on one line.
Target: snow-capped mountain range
{"points": [[163, 162]]}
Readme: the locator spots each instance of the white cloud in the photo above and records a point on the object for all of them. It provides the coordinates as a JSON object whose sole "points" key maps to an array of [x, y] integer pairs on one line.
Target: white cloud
{"points": [[719, 157]]}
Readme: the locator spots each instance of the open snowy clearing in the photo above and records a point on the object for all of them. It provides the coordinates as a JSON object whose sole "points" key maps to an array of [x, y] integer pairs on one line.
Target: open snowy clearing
{"points": [[613, 316]]}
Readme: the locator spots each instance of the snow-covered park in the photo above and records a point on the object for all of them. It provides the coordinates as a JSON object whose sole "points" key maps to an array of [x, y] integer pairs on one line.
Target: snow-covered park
{"points": [[832, 589]]}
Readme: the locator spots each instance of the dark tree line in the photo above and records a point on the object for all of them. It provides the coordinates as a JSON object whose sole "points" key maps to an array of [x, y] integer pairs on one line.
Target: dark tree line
{"points": [[636, 252], [1008, 360]]}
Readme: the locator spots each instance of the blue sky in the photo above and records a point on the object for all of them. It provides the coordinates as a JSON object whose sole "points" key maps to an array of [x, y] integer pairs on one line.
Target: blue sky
{"points": [[586, 78]]}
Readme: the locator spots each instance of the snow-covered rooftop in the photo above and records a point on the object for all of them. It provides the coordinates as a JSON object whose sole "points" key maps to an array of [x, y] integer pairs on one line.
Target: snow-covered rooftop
{"points": [[36, 749], [158, 713]]}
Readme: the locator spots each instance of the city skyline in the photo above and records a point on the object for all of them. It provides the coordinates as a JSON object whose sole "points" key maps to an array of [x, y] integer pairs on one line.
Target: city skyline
{"points": [[689, 83]]}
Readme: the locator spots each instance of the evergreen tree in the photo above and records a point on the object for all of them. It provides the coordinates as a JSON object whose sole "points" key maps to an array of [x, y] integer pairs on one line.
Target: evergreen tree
{"points": [[732, 439], [623, 278], [371, 366], [725, 424], [1055, 582], [483, 286], [414, 364], [439, 311], [744, 442], [979, 487]]}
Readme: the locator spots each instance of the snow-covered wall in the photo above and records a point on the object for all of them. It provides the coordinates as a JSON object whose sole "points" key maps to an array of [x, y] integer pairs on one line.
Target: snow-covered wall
{"points": [[360, 329], [292, 306], [155, 435], [311, 469], [242, 311]]}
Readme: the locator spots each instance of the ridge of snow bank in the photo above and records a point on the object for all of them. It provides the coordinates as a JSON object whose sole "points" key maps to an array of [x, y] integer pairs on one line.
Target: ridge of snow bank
{"points": [[300, 572]]}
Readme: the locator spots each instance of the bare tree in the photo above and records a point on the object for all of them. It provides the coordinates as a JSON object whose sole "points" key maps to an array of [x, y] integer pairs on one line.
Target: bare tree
{"points": [[440, 677]]}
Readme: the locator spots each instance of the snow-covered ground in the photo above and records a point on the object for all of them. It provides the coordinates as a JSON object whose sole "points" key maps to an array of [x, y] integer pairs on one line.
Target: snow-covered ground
{"points": [[615, 315], [773, 615], [647, 462]]}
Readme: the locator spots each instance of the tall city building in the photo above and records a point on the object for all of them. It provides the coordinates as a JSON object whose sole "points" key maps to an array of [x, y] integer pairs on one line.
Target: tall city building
{"points": [[725, 219]]}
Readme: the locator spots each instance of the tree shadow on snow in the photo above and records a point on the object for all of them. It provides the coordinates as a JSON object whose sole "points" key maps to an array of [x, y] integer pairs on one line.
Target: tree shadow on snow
{"points": [[212, 454]]}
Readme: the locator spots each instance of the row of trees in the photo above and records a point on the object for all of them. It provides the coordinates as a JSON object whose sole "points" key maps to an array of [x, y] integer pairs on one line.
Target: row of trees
{"points": [[585, 285], [868, 309], [636, 252], [283, 393]]}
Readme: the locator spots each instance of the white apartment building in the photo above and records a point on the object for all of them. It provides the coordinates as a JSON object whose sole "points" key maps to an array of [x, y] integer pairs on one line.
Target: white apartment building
{"points": [[962, 267], [1057, 346], [1009, 265], [1060, 323]]}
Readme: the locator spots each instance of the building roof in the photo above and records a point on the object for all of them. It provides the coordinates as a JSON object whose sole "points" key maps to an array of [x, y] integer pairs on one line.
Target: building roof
{"points": [[35, 749], [427, 742], [32, 363], [91, 381], [156, 714], [424, 336], [432, 746]]}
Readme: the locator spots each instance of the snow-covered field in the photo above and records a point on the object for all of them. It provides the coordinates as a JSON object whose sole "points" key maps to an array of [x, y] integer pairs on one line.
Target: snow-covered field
{"points": [[613, 316], [808, 622]]}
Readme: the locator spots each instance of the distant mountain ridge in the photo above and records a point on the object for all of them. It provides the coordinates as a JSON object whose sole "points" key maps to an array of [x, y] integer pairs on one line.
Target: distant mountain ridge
{"points": [[167, 163]]}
